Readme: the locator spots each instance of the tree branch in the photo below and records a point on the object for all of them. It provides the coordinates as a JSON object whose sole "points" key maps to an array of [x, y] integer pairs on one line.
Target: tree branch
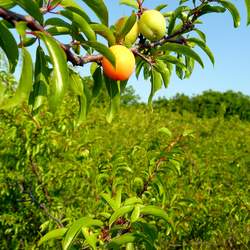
{"points": [[13, 18]]}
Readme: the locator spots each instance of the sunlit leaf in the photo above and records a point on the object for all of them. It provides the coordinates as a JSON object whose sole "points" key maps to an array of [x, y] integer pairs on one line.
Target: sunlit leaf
{"points": [[60, 73], [131, 3], [75, 228], [233, 10], [54, 234], [185, 50], [100, 9], [32, 8], [120, 212], [81, 23], [105, 32], [25, 84]]}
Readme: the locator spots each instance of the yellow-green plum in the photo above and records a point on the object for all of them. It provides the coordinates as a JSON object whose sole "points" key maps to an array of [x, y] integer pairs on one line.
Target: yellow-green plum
{"points": [[152, 25]]}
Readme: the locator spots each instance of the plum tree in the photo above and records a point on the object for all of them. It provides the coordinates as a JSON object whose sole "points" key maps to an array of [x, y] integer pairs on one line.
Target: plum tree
{"points": [[166, 43]]}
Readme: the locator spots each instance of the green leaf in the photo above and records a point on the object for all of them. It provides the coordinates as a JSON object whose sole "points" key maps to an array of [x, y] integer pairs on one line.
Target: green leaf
{"points": [[120, 212], [155, 211], [201, 34], [54, 21], [205, 9], [233, 10], [75, 229], [173, 60], [54, 234], [114, 94], [156, 84], [136, 213], [40, 89], [73, 6], [81, 23], [174, 16], [127, 26], [9, 46], [98, 82], [166, 131], [100, 9], [25, 84], [60, 73], [203, 46], [247, 3], [118, 241], [28, 41], [105, 32], [185, 50], [109, 200], [161, 7], [91, 238], [58, 31], [102, 49], [132, 201], [79, 89], [32, 8], [164, 71], [131, 3], [7, 4]]}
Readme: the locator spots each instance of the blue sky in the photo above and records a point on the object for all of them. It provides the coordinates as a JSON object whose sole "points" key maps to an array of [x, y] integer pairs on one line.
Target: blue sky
{"points": [[229, 45], [231, 48]]}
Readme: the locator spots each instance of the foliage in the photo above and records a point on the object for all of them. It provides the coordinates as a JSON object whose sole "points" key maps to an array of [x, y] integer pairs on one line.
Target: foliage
{"points": [[209, 104], [62, 32], [149, 180]]}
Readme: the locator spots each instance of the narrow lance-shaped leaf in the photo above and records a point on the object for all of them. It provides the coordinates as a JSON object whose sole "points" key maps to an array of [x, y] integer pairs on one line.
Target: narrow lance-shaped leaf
{"points": [[102, 49], [98, 82], [90, 238], [183, 49], [78, 88], [247, 3], [75, 229], [155, 211], [120, 212], [9, 46], [57, 22], [25, 84], [40, 87], [233, 10], [131, 3], [164, 71], [60, 73], [174, 16], [118, 241], [7, 4], [100, 9], [32, 8], [54, 234], [114, 94], [73, 6], [81, 23], [203, 46], [156, 84], [104, 31]]}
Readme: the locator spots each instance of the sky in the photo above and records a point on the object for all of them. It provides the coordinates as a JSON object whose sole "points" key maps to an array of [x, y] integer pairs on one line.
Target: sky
{"points": [[230, 47]]}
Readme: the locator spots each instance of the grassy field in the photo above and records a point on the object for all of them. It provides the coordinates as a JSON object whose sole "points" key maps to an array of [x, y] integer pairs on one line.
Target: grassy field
{"points": [[54, 172]]}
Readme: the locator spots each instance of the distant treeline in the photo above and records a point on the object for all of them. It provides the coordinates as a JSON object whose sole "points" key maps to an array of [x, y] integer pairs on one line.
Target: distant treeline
{"points": [[209, 104]]}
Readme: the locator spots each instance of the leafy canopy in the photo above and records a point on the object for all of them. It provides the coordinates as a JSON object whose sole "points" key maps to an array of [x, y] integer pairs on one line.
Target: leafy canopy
{"points": [[52, 75]]}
